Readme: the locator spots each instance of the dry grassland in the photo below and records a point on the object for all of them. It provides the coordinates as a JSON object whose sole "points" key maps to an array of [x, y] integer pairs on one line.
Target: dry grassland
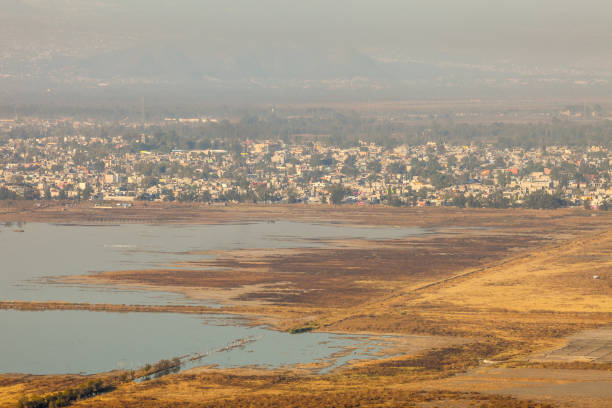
{"points": [[517, 288]]}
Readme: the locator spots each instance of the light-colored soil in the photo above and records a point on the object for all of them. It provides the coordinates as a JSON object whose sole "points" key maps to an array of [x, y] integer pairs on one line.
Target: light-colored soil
{"points": [[577, 388], [524, 287], [590, 346]]}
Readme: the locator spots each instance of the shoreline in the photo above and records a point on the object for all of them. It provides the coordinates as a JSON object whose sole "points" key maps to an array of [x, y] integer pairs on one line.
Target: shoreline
{"points": [[510, 282], [86, 214]]}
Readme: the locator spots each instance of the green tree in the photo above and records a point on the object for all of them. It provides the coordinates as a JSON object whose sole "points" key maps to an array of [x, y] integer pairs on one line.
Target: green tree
{"points": [[168, 194], [349, 171], [543, 200], [337, 193], [292, 196], [6, 194], [497, 200], [87, 192], [397, 167], [459, 200], [374, 166]]}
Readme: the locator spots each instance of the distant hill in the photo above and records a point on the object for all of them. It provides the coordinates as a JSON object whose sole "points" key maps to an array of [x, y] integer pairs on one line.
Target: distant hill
{"points": [[175, 64]]}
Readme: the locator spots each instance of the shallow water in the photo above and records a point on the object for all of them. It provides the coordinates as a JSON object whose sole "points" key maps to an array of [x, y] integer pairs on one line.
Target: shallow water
{"points": [[50, 250], [56, 342], [59, 342]]}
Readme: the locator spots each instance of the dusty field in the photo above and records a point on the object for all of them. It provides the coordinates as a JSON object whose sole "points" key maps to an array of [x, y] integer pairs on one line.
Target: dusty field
{"points": [[590, 346], [563, 388], [521, 287]]}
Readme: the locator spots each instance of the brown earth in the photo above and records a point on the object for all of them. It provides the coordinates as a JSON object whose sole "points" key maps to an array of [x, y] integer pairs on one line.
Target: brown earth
{"points": [[87, 213], [332, 276], [516, 289]]}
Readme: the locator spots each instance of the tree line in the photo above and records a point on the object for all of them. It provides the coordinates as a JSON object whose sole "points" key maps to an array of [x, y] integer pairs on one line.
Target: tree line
{"points": [[66, 397], [342, 129]]}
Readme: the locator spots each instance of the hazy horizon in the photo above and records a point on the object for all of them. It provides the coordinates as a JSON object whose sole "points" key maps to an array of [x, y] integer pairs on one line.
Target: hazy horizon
{"points": [[305, 50]]}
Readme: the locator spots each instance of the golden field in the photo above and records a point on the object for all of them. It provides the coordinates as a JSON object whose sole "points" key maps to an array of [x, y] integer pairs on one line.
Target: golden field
{"points": [[512, 289]]}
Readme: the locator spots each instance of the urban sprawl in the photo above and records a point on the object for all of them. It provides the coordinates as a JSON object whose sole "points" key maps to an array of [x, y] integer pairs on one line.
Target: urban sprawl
{"points": [[118, 168]]}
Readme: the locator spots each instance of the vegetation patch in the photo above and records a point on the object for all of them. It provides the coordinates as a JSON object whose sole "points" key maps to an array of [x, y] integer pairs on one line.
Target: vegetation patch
{"points": [[310, 326], [66, 397]]}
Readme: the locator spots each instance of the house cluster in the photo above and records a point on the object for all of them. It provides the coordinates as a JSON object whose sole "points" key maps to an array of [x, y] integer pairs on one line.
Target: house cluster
{"points": [[112, 168]]}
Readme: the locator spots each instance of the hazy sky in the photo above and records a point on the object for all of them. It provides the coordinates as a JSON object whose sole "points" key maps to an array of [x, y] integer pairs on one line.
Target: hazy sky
{"points": [[535, 32]]}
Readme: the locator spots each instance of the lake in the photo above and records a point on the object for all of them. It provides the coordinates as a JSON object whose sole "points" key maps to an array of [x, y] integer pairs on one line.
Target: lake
{"points": [[60, 342], [29, 258], [56, 342]]}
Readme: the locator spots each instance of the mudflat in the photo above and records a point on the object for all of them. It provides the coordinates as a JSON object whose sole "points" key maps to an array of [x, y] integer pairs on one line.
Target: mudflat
{"points": [[514, 284]]}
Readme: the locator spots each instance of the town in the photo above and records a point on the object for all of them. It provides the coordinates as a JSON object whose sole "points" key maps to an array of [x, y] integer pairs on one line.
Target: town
{"points": [[121, 167]]}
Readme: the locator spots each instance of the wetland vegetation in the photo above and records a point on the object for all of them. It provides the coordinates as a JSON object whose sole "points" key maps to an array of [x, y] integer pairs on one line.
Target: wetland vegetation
{"points": [[517, 285]]}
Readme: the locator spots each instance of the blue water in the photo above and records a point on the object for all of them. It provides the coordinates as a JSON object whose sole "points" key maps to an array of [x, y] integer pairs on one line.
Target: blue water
{"points": [[45, 251], [56, 342], [60, 342]]}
